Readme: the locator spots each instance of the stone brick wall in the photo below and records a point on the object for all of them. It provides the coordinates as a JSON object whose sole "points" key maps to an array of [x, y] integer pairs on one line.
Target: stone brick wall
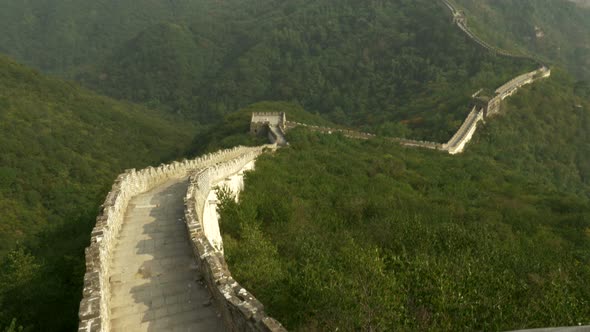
{"points": [[94, 307], [460, 139], [240, 310], [457, 143], [461, 21], [260, 119], [327, 130]]}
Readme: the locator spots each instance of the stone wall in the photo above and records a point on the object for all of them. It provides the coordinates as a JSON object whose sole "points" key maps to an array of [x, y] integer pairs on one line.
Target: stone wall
{"points": [[460, 139], [261, 119], [94, 307], [511, 87], [277, 135], [240, 310], [362, 135], [327, 130], [461, 21], [457, 143], [418, 144]]}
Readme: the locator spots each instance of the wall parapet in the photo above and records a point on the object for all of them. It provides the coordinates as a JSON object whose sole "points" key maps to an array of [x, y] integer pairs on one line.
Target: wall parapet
{"points": [[240, 310], [94, 307], [457, 143]]}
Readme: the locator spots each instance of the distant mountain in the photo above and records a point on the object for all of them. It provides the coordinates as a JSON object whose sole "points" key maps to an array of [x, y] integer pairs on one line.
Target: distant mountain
{"points": [[63, 36], [61, 147], [557, 31], [396, 68], [66, 37]]}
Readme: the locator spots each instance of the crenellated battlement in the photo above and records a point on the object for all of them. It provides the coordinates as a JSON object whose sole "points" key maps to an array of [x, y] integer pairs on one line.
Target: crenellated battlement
{"points": [[278, 119]]}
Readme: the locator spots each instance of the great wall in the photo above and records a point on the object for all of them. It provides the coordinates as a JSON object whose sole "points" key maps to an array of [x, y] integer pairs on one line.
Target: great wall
{"points": [[155, 260], [464, 134], [479, 113], [158, 309]]}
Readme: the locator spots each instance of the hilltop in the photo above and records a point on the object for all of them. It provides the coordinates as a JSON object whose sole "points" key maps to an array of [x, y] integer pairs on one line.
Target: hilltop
{"points": [[349, 68]]}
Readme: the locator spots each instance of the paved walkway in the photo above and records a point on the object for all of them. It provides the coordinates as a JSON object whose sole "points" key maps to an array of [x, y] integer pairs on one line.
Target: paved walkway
{"points": [[154, 280]]}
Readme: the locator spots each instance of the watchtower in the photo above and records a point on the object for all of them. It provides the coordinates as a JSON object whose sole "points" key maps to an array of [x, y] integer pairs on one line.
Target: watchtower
{"points": [[262, 120]]}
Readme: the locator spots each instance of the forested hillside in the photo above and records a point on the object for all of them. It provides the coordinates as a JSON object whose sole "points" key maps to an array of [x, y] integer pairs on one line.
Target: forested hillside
{"points": [[394, 67], [557, 31], [64, 36], [61, 147], [398, 68], [338, 234]]}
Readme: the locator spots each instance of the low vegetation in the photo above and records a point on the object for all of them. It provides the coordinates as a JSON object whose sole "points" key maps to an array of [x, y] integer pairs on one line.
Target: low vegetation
{"points": [[333, 233]]}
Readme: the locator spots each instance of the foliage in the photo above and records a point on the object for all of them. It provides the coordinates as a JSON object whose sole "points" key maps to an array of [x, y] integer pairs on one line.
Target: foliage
{"points": [[340, 234], [13, 327], [160, 67], [391, 67], [62, 146], [368, 235]]}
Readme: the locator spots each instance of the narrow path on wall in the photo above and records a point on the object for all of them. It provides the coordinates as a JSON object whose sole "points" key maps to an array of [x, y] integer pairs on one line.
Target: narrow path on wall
{"points": [[154, 280]]}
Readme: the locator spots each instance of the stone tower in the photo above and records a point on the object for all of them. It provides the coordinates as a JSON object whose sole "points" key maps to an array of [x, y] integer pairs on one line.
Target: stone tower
{"points": [[261, 121]]}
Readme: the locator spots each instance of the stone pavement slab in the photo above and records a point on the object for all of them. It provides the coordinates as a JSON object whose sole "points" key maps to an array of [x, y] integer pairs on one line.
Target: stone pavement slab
{"points": [[154, 280]]}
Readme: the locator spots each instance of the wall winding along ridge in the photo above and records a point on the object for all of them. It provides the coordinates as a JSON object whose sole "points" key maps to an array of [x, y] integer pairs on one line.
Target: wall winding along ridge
{"points": [[361, 135], [457, 143], [461, 21], [465, 133], [94, 307]]}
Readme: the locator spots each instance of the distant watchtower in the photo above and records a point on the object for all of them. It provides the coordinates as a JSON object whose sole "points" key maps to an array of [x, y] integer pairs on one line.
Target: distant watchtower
{"points": [[460, 18], [261, 121]]}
